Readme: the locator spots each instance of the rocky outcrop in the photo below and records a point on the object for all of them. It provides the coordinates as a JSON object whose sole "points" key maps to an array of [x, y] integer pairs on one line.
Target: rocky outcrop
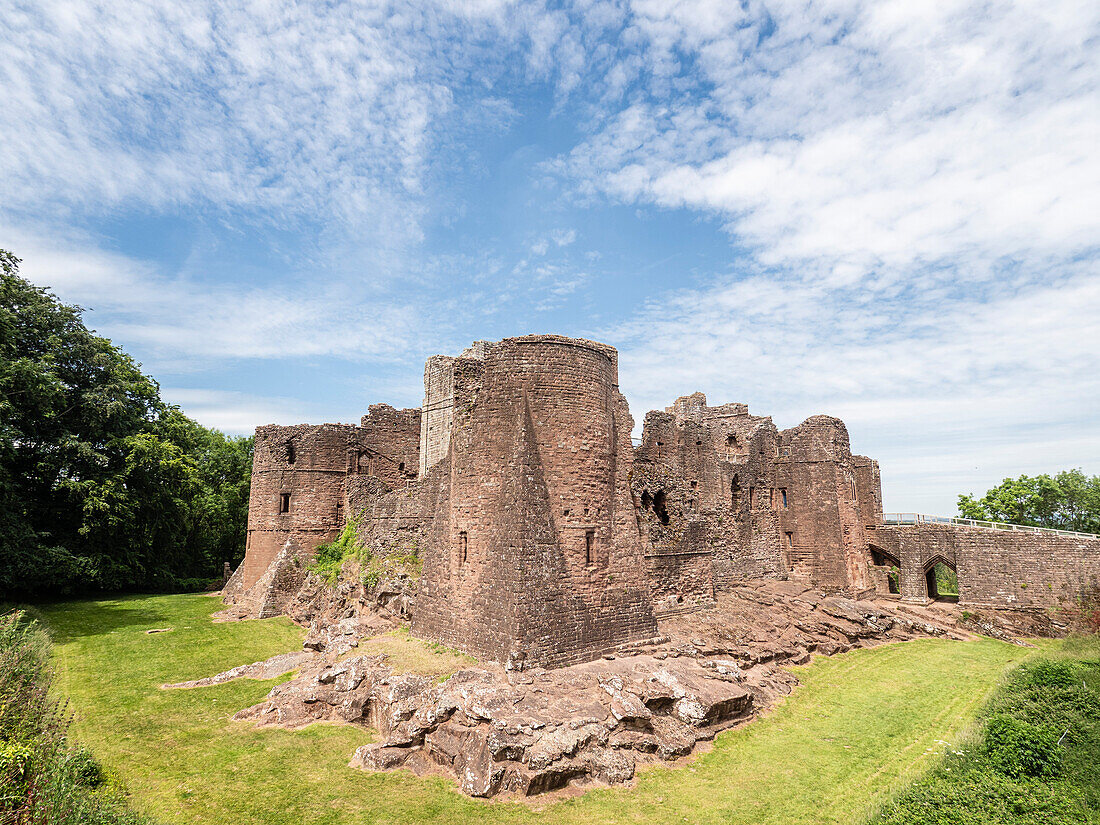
{"points": [[525, 732]]}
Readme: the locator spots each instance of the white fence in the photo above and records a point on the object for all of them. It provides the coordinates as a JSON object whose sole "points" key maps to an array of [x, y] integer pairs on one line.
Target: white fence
{"points": [[921, 518]]}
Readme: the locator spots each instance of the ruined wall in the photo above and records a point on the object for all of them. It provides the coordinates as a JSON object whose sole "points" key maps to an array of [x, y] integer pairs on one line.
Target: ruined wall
{"points": [[387, 445], [439, 400], [995, 568], [297, 491], [534, 554], [710, 471], [761, 502], [824, 522], [300, 493]]}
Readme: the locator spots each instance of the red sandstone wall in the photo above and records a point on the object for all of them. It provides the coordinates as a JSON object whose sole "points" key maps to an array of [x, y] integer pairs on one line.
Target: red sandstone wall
{"points": [[540, 455], [824, 517], [716, 469], [995, 568], [309, 463], [388, 444]]}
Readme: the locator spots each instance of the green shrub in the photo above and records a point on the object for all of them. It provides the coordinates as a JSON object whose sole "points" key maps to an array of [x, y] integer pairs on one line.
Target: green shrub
{"points": [[1017, 748], [15, 761], [83, 767], [1052, 673], [329, 558], [44, 778]]}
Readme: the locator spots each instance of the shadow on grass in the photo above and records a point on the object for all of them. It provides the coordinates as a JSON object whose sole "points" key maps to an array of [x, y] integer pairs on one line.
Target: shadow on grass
{"points": [[99, 617]]}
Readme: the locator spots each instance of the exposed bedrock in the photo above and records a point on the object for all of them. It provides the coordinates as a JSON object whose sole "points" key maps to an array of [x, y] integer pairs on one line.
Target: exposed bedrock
{"points": [[530, 731]]}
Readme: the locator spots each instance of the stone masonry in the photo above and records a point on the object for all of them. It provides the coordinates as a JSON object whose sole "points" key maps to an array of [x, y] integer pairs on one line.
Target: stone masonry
{"points": [[547, 539]]}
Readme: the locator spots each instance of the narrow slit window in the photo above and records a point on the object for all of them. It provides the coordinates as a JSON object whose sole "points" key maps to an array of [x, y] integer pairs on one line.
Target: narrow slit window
{"points": [[463, 543], [589, 546], [783, 496], [284, 502], [291, 456], [790, 540], [752, 498]]}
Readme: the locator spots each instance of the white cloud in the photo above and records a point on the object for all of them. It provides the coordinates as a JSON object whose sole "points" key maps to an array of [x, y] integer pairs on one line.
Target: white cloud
{"points": [[187, 323], [914, 191], [865, 135], [564, 237], [239, 413], [300, 110]]}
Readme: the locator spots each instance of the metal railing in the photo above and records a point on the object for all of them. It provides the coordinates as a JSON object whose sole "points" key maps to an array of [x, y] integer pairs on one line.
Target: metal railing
{"points": [[921, 518]]}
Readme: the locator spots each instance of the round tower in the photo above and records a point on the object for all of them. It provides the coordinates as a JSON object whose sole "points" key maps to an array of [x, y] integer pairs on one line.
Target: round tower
{"points": [[297, 492]]}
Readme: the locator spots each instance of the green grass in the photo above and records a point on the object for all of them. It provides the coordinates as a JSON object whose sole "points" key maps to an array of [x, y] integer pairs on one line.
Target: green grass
{"points": [[859, 726], [1034, 760]]}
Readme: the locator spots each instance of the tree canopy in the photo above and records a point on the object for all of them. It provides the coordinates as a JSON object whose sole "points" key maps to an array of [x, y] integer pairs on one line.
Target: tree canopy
{"points": [[103, 486], [1069, 500]]}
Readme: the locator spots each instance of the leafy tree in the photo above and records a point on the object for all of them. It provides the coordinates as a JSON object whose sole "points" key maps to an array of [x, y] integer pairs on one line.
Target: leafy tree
{"points": [[102, 484], [1069, 500]]}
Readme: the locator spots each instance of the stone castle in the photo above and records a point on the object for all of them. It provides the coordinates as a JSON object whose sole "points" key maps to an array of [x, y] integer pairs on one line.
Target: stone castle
{"points": [[547, 538]]}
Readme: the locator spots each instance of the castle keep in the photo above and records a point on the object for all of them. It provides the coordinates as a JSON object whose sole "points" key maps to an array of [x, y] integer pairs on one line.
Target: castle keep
{"points": [[548, 538]]}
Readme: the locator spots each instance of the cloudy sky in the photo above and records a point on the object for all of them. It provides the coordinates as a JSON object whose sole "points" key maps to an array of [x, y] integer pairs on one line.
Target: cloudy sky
{"points": [[886, 211]]}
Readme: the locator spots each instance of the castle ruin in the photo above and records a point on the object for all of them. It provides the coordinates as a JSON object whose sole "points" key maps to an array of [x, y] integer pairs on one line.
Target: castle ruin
{"points": [[548, 538]]}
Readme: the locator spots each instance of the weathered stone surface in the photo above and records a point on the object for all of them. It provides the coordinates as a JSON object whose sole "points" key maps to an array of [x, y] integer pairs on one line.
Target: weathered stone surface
{"points": [[548, 541], [379, 758], [498, 730]]}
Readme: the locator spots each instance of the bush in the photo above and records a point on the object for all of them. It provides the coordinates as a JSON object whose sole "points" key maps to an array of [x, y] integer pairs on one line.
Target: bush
{"points": [[1052, 673], [1018, 749], [84, 768], [329, 558]]}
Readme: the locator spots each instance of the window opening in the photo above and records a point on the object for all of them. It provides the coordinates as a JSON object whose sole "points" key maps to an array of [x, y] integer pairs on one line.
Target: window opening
{"points": [[284, 503], [790, 540], [735, 492], [291, 456], [659, 506], [647, 500], [463, 541], [783, 496], [589, 545]]}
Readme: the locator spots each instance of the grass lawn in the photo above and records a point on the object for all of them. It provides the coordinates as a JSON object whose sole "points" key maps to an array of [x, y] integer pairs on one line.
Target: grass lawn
{"points": [[859, 726]]}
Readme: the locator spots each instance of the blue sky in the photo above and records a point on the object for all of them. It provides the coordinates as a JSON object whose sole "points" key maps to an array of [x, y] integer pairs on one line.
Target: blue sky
{"points": [[884, 211]]}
